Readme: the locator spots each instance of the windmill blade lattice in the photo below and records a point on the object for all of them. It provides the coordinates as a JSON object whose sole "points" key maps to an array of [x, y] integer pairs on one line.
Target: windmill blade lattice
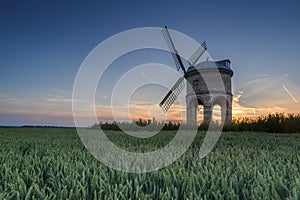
{"points": [[172, 95], [174, 53], [197, 54]]}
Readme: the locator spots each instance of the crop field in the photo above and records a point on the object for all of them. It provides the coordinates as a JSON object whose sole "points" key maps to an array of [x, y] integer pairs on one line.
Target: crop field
{"points": [[52, 163]]}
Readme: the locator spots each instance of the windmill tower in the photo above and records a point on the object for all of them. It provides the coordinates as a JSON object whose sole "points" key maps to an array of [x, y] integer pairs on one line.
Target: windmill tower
{"points": [[204, 86]]}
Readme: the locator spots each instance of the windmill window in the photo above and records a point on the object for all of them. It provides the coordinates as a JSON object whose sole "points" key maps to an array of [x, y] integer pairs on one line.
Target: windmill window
{"points": [[196, 85]]}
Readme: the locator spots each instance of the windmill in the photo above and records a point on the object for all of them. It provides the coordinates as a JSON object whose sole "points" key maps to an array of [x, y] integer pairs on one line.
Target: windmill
{"points": [[177, 88]]}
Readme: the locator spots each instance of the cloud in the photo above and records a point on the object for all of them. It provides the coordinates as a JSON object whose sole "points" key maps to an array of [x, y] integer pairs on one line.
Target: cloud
{"points": [[139, 109], [291, 95], [58, 100], [27, 109], [266, 94], [261, 96], [45, 112], [258, 97], [2, 95]]}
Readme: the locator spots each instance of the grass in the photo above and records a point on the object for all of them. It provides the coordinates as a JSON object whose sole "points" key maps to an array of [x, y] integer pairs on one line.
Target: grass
{"points": [[51, 163]]}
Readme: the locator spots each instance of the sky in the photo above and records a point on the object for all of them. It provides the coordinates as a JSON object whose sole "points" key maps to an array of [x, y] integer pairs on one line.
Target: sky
{"points": [[43, 44]]}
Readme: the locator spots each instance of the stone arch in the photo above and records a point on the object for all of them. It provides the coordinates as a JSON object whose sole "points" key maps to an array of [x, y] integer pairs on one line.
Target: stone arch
{"points": [[192, 104], [193, 114], [225, 106]]}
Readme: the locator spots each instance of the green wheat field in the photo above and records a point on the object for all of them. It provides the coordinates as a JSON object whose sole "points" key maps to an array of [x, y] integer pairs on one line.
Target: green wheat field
{"points": [[52, 163]]}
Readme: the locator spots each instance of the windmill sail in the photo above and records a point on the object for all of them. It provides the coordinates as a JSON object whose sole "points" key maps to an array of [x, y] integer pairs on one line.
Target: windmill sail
{"points": [[197, 54], [173, 51], [172, 95]]}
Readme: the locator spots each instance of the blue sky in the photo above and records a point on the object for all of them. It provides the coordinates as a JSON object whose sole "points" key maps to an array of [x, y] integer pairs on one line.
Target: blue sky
{"points": [[43, 43]]}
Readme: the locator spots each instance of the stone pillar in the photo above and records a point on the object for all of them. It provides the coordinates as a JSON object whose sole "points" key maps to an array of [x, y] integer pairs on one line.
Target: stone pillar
{"points": [[228, 114], [207, 113], [191, 114], [224, 110]]}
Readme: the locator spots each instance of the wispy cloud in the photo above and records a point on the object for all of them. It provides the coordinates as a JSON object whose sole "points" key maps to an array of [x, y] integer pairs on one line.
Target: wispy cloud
{"points": [[27, 109], [45, 112], [292, 96], [266, 94], [144, 75]]}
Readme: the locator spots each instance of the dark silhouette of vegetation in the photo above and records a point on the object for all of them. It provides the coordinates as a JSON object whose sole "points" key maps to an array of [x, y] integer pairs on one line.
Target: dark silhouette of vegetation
{"points": [[273, 123], [149, 125]]}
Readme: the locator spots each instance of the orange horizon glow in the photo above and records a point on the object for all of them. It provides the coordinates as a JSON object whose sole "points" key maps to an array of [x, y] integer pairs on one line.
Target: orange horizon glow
{"points": [[258, 98], [177, 113]]}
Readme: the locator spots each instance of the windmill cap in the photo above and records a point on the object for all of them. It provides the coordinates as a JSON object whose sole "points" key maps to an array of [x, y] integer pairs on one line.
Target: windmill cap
{"points": [[222, 64]]}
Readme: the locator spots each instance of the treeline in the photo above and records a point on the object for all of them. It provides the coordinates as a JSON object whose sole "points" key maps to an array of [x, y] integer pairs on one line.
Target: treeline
{"points": [[149, 125], [275, 123]]}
